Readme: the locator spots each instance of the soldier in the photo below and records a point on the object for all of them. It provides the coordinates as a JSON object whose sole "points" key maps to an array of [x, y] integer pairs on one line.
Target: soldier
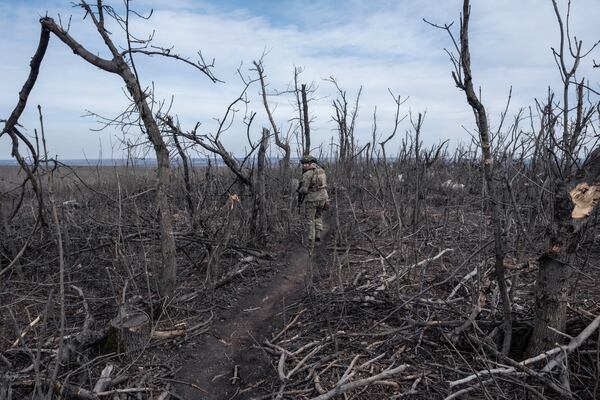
{"points": [[313, 192]]}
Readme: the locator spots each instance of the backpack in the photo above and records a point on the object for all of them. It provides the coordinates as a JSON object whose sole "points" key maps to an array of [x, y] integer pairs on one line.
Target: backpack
{"points": [[318, 181]]}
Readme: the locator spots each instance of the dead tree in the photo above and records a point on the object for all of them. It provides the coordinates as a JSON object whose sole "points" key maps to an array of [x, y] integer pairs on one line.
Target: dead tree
{"points": [[254, 181], [212, 142], [186, 179], [121, 63], [574, 184], [250, 179], [397, 120], [435, 153], [417, 126], [10, 129], [306, 124], [345, 120], [390, 180], [463, 79], [259, 213], [302, 93], [282, 143]]}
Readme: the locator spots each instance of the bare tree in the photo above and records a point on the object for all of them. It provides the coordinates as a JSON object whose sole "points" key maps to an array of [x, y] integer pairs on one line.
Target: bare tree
{"points": [[121, 63], [397, 120], [259, 212], [186, 179], [10, 128], [250, 179], [463, 79], [213, 143], [418, 176], [282, 143], [345, 120], [306, 121], [565, 130]]}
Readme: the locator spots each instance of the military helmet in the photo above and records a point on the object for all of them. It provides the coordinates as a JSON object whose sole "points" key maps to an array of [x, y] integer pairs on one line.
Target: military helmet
{"points": [[308, 159]]}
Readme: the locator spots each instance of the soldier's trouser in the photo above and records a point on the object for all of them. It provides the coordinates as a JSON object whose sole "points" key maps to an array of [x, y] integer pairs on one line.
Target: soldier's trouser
{"points": [[314, 223]]}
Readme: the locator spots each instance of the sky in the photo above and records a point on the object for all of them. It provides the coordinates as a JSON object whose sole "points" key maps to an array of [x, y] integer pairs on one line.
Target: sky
{"points": [[382, 46]]}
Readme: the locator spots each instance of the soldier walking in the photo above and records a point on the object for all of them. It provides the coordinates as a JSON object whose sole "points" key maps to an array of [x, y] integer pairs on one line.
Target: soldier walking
{"points": [[313, 192]]}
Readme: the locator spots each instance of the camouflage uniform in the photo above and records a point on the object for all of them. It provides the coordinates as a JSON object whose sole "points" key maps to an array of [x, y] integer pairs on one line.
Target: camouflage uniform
{"points": [[314, 187]]}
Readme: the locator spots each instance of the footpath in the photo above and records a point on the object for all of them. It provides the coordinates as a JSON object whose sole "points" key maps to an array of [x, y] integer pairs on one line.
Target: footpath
{"points": [[230, 363]]}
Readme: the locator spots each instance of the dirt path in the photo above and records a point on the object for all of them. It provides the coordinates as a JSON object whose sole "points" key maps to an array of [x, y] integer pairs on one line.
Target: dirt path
{"points": [[236, 334]]}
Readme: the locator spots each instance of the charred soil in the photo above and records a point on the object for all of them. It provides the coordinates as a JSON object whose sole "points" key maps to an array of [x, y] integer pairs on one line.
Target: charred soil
{"points": [[230, 361]]}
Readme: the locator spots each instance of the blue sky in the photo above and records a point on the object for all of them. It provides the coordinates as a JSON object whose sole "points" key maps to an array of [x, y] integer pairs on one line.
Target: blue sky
{"points": [[380, 45]]}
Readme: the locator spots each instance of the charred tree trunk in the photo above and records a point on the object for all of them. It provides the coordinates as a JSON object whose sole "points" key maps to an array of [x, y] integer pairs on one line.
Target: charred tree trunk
{"points": [[285, 146], [118, 65], [16, 136], [550, 303], [168, 270], [418, 170], [306, 121], [556, 264], [186, 180], [346, 122], [465, 83], [259, 215]]}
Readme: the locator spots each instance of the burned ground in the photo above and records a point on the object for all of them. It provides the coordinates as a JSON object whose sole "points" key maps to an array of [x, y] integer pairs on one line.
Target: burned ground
{"points": [[270, 321]]}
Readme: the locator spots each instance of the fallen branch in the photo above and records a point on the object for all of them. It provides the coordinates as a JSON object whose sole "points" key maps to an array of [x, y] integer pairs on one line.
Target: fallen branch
{"points": [[168, 334], [427, 260], [537, 375], [181, 332], [288, 326], [24, 332], [119, 391], [520, 368], [361, 382], [105, 380], [467, 389], [419, 264], [461, 283], [230, 276], [573, 344]]}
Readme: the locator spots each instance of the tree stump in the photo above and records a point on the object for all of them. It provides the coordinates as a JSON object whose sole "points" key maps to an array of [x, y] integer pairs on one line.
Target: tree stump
{"points": [[128, 332]]}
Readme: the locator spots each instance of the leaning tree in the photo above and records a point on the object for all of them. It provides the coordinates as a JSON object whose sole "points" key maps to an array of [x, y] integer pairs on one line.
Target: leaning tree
{"points": [[120, 62]]}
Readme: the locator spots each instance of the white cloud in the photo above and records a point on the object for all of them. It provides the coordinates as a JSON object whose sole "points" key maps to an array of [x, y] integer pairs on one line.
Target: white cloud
{"points": [[379, 46]]}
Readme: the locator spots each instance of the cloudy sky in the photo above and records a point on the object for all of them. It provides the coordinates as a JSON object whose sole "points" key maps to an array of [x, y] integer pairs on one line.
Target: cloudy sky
{"points": [[379, 45]]}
